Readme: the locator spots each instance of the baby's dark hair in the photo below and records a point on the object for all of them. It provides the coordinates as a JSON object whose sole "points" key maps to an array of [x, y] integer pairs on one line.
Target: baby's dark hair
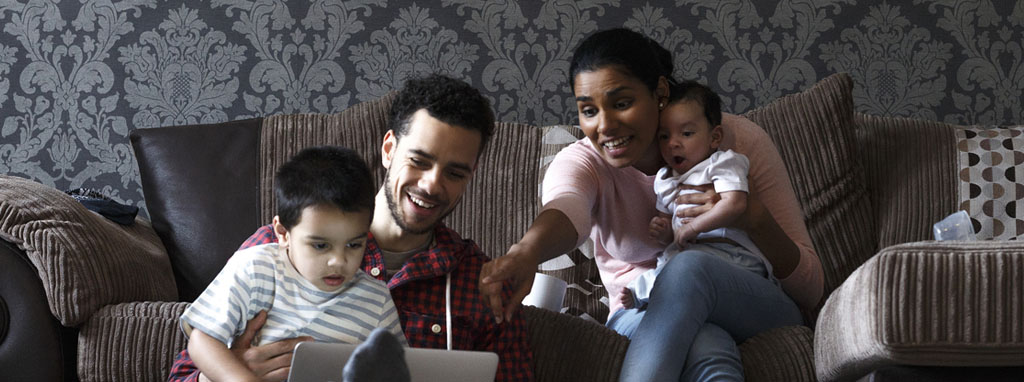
{"points": [[324, 175], [449, 100], [640, 56], [702, 95]]}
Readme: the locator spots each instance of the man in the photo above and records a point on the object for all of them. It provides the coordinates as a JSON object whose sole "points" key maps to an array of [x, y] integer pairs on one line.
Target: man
{"points": [[438, 128]]}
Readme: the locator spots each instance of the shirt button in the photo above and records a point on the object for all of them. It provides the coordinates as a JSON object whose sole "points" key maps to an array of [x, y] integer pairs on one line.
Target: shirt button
{"points": [[375, 272], [436, 329]]}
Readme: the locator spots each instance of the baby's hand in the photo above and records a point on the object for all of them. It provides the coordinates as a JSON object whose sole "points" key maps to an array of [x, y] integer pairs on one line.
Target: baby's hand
{"points": [[660, 229], [626, 298]]}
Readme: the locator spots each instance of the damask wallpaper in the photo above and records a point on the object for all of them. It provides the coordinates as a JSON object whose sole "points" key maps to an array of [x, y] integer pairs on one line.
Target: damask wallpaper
{"points": [[77, 76]]}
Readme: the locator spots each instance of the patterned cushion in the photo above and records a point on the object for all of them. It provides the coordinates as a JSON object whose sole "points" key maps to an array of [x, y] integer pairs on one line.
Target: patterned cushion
{"points": [[585, 296], [84, 260], [989, 159]]}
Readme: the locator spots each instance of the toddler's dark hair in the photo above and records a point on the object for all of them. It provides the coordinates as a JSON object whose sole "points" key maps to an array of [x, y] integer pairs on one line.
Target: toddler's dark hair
{"points": [[324, 175]]}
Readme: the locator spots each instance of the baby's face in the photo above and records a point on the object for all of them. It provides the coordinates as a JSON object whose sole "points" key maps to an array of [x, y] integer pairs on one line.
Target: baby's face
{"points": [[327, 244], [685, 136]]}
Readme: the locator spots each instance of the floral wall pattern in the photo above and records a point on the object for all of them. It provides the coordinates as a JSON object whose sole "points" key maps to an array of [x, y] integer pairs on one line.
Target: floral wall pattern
{"points": [[76, 76]]}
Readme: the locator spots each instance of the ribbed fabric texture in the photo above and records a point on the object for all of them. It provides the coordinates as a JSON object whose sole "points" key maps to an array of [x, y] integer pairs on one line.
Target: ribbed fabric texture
{"points": [[781, 354], [567, 348], [500, 201], [926, 304], [84, 260], [911, 168], [130, 342], [360, 127], [813, 131]]}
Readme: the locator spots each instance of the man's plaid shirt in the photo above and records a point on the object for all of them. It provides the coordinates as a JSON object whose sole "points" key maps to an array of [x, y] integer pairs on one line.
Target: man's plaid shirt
{"points": [[418, 290]]}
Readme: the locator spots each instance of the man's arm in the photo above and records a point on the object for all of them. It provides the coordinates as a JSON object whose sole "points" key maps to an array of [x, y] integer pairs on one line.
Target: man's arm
{"points": [[216, 360]]}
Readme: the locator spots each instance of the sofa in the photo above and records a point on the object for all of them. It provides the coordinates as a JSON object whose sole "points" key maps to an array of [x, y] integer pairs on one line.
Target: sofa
{"points": [[84, 298]]}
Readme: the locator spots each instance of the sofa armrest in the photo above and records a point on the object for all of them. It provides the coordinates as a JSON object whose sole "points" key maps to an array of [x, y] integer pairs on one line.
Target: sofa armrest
{"points": [[134, 341], [569, 348], [925, 304], [780, 354]]}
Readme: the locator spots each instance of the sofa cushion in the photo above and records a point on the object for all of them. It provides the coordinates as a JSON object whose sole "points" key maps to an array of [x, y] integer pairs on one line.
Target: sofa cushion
{"points": [[200, 185], [134, 341], [585, 295], [814, 133], [911, 167], [84, 260], [989, 162], [941, 303], [360, 127]]}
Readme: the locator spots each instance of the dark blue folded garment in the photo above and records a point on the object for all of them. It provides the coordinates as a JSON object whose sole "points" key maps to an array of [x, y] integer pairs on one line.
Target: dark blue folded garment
{"points": [[97, 202]]}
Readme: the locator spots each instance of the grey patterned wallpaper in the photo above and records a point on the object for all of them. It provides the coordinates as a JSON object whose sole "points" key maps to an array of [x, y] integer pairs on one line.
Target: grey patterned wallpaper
{"points": [[77, 76]]}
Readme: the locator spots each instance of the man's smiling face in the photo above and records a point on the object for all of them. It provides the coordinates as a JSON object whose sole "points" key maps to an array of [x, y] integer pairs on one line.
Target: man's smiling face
{"points": [[428, 170]]}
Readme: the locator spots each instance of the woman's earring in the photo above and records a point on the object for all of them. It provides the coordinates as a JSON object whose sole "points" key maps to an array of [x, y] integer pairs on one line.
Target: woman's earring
{"points": [[661, 105]]}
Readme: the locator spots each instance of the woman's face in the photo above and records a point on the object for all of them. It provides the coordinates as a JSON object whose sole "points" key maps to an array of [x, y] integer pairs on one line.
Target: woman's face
{"points": [[619, 115]]}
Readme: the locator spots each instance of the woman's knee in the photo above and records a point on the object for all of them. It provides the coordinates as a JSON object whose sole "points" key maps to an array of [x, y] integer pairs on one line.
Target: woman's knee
{"points": [[691, 266]]}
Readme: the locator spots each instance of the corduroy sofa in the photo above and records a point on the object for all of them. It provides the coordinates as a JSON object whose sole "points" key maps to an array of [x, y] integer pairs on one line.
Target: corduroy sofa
{"points": [[85, 297]]}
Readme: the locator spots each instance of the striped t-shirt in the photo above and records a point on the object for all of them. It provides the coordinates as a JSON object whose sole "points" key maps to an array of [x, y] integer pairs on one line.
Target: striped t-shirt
{"points": [[258, 278]]}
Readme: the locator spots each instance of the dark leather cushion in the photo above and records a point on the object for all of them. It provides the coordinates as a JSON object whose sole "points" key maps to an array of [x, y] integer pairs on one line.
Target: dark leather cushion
{"points": [[201, 186]]}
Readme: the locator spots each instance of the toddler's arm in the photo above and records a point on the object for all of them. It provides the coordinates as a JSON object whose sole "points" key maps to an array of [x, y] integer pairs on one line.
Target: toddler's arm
{"points": [[215, 360], [722, 214]]}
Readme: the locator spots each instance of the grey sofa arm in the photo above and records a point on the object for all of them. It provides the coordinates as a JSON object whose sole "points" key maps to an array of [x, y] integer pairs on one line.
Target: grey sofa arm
{"points": [[569, 348], [925, 304]]}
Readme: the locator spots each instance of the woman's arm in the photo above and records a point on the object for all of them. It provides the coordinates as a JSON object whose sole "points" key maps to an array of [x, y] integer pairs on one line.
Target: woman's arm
{"points": [[551, 234]]}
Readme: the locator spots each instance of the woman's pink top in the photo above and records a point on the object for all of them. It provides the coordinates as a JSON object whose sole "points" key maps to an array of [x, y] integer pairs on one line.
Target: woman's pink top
{"points": [[615, 206]]}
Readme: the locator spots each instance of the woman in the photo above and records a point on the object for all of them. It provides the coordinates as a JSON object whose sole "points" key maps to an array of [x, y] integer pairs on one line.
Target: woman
{"points": [[601, 187]]}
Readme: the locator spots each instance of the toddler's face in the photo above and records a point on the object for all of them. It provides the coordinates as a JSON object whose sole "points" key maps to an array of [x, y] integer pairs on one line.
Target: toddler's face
{"points": [[327, 244], [685, 137]]}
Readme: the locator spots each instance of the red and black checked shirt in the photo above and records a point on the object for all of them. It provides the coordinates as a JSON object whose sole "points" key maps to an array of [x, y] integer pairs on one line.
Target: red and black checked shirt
{"points": [[418, 291]]}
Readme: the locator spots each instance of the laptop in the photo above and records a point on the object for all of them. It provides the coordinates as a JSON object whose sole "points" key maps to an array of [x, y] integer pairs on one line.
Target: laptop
{"points": [[320, 362]]}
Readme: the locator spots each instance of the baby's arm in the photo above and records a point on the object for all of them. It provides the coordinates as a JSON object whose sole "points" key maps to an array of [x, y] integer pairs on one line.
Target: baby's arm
{"points": [[215, 360], [723, 213]]}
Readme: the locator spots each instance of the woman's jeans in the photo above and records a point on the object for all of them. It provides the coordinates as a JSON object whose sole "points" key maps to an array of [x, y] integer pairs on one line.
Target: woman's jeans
{"points": [[700, 307]]}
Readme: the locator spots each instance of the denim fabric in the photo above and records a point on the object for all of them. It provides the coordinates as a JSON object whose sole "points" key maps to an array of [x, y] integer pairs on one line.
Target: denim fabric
{"points": [[696, 300]]}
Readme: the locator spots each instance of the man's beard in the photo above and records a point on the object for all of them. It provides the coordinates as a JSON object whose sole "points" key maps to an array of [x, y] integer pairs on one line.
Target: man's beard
{"points": [[396, 214]]}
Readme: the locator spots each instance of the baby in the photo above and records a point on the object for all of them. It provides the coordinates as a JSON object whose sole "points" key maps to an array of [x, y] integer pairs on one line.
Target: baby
{"points": [[309, 281], [689, 135]]}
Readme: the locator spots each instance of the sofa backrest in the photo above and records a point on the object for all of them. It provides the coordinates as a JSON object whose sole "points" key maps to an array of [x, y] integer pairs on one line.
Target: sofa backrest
{"points": [[912, 174]]}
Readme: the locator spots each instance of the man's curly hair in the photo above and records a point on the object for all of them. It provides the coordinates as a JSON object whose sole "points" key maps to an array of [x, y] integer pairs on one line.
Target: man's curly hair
{"points": [[449, 100]]}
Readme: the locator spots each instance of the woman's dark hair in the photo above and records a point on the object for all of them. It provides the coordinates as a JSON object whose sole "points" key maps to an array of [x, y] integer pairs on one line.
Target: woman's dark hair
{"points": [[638, 55], [324, 175], [697, 92]]}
